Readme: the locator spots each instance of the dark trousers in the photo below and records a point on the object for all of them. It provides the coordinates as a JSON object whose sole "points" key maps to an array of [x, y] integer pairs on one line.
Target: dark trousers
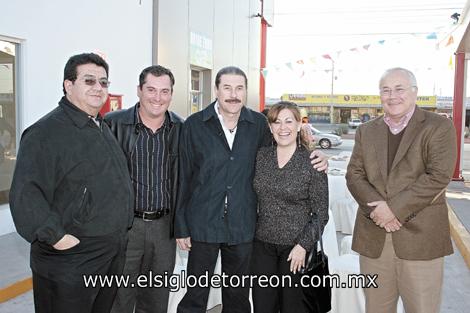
{"points": [[202, 259], [150, 249], [61, 287], [271, 259]]}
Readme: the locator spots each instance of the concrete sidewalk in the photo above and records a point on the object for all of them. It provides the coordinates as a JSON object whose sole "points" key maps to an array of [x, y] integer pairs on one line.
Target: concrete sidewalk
{"points": [[458, 198]]}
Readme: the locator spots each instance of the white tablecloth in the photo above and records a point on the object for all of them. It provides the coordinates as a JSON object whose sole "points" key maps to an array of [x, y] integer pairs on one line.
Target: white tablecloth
{"points": [[344, 213], [340, 164], [342, 204], [346, 244], [330, 242], [337, 186], [346, 300]]}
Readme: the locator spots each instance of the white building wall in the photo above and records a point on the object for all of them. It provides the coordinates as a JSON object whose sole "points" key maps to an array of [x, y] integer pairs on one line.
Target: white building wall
{"points": [[173, 48], [235, 36], [51, 31]]}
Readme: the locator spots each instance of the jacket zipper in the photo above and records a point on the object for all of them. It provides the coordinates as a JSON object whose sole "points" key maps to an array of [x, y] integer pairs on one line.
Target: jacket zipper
{"points": [[83, 198]]}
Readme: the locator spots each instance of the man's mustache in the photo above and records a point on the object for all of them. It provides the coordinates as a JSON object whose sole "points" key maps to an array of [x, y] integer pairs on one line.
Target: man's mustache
{"points": [[233, 101]]}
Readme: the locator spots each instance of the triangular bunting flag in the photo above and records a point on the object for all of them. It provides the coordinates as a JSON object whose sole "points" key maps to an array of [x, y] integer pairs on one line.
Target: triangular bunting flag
{"points": [[264, 71], [450, 41], [431, 36]]}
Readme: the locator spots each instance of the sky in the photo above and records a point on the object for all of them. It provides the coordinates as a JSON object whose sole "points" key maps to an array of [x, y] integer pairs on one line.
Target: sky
{"points": [[363, 38]]}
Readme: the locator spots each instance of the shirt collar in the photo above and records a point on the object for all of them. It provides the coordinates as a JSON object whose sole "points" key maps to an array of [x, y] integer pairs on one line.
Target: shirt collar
{"points": [[79, 117], [396, 128]]}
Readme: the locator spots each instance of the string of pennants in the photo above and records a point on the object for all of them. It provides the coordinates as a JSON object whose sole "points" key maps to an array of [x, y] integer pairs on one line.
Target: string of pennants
{"points": [[313, 60]]}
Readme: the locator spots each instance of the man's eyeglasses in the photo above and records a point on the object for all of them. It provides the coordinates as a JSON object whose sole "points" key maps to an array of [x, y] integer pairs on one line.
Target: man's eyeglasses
{"points": [[397, 91], [91, 81]]}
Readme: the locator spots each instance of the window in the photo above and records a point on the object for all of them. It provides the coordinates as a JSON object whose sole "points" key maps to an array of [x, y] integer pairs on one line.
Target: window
{"points": [[8, 64], [196, 92], [199, 89]]}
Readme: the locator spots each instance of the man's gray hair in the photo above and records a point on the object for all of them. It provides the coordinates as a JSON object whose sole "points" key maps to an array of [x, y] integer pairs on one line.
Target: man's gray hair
{"points": [[410, 74]]}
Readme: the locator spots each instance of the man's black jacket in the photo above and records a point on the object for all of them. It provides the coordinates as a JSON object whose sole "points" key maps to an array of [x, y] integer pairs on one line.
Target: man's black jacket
{"points": [[123, 124], [210, 171], [70, 178]]}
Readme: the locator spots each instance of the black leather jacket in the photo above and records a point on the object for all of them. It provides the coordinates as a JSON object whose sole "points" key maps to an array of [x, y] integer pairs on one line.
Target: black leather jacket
{"points": [[123, 124]]}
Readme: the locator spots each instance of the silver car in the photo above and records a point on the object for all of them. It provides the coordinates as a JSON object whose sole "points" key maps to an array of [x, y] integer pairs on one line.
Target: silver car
{"points": [[354, 123], [326, 140]]}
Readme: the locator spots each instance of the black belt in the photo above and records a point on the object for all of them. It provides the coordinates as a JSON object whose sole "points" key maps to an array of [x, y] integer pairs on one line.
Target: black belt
{"points": [[153, 215]]}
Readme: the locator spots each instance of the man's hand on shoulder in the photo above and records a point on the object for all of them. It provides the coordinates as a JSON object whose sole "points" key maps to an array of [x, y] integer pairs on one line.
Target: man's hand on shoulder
{"points": [[319, 160], [67, 242], [184, 243]]}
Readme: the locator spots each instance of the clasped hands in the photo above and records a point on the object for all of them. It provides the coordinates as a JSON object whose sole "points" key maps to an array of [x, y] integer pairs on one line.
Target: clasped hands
{"points": [[383, 216]]}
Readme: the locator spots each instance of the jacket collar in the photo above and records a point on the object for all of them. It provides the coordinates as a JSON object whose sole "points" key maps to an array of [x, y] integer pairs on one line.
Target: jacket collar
{"points": [[209, 112], [79, 118], [380, 129]]}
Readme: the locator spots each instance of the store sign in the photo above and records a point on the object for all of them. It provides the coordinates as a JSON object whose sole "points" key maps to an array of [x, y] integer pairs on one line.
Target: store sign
{"points": [[348, 100], [200, 50]]}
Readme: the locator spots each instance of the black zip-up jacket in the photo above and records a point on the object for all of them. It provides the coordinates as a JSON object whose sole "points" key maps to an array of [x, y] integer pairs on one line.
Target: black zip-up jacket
{"points": [[210, 171], [70, 178], [123, 124]]}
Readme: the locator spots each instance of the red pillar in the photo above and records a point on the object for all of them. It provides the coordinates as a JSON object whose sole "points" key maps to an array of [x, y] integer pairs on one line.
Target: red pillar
{"points": [[262, 82], [458, 109]]}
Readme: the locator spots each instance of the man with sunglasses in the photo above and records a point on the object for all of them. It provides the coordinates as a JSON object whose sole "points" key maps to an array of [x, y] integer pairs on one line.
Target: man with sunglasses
{"points": [[398, 173], [71, 195], [149, 136]]}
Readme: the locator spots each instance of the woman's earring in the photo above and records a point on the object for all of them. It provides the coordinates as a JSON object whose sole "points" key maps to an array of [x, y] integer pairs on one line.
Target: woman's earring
{"points": [[298, 139]]}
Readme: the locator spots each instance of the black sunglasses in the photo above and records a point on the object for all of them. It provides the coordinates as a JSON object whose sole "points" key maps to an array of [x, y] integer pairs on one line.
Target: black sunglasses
{"points": [[91, 81]]}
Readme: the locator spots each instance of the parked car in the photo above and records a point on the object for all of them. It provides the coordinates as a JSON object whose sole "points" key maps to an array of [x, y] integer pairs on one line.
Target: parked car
{"points": [[354, 122], [326, 140]]}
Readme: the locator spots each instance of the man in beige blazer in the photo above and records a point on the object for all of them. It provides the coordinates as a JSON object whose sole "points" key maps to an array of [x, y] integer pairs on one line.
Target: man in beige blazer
{"points": [[399, 170]]}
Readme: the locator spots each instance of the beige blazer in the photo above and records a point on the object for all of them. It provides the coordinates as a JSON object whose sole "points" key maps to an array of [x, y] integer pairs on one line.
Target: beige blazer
{"points": [[414, 189]]}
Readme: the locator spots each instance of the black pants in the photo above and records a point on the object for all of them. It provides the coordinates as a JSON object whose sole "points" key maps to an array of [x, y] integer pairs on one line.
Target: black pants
{"points": [[270, 259], [235, 261], [58, 284], [150, 250]]}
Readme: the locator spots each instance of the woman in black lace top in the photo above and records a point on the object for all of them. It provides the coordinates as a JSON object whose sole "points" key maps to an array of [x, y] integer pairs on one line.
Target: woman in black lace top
{"points": [[288, 190]]}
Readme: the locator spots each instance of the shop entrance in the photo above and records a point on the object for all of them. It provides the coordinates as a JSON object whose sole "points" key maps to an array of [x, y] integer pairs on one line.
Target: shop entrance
{"points": [[345, 115]]}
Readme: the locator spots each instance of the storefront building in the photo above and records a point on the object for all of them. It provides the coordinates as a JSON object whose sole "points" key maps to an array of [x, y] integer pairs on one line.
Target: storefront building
{"points": [[338, 109]]}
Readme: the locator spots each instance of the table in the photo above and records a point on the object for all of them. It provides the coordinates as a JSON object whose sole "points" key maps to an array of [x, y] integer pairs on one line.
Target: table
{"points": [[342, 204]]}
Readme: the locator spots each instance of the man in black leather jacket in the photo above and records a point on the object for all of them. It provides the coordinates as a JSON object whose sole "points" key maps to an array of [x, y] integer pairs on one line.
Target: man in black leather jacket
{"points": [[149, 136]]}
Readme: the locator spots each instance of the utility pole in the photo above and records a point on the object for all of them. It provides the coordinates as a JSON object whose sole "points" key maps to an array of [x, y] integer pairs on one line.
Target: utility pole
{"points": [[332, 90]]}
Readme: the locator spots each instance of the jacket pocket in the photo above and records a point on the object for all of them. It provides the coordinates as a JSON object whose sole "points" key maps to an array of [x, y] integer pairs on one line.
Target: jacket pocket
{"points": [[83, 211]]}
